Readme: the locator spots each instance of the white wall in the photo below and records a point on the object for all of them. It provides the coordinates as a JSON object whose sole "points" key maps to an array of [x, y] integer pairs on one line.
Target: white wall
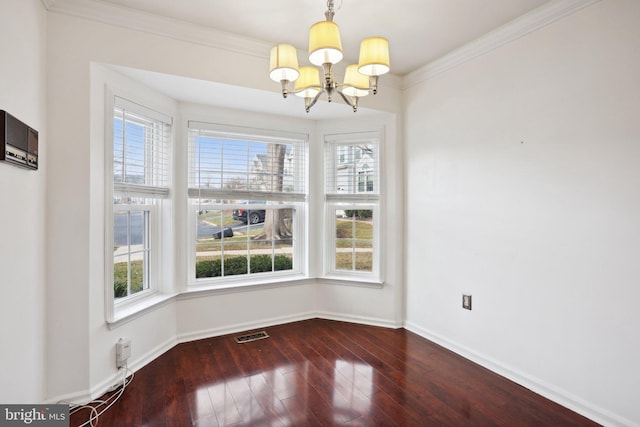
{"points": [[80, 361], [522, 189], [22, 211]]}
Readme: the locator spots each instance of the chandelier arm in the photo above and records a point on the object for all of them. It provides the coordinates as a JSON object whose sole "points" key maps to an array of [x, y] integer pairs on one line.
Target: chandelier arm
{"points": [[310, 102], [352, 101]]}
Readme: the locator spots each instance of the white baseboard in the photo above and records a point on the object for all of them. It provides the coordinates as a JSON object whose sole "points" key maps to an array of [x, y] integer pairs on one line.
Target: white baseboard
{"points": [[363, 320], [134, 365], [86, 396], [264, 323], [78, 397], [551, 392], [241, 327]]}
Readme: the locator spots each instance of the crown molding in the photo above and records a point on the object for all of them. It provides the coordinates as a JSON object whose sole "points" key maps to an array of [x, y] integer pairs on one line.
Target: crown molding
{"points": [[108, 13], [112, 14], [519, 27]]}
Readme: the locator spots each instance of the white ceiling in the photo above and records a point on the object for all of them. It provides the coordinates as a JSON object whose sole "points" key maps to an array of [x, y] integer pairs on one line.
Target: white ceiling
{"points": [[421, 34], [419, 31]]}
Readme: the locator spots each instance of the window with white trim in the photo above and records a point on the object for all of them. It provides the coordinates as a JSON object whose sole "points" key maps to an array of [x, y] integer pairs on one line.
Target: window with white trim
{"points": [[138, 172], [352, 202], [247, 198]]}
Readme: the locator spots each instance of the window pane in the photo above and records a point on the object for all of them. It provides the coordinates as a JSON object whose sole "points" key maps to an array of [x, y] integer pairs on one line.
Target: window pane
{"points": [[130, 252], [344, 226], [354, 169], [138, 278], [244, 165], [364, 259], [354, 240], [121, 276], [140, 154], [283, 262], [235, 264], [251, 240], [120, 230], [344, 260], [208, 266], [208, 239], [137, 230]]}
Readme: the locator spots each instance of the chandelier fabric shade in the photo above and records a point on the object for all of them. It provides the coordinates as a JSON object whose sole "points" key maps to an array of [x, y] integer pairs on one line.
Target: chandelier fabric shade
{"points": [[325, 45], [325, 50], [355, 83], [284, 63], [308, 84], [374, 56]]}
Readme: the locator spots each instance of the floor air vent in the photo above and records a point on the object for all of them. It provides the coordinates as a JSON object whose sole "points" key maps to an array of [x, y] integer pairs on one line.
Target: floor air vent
{"points": [[252, 337]]}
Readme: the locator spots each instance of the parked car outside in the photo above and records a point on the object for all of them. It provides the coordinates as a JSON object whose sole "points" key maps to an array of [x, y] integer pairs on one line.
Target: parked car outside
{"points": [[256, 216]]}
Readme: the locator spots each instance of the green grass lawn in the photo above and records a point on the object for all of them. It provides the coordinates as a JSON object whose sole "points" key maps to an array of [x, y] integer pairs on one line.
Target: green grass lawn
{"points": [[350, 233], [120, 278], [213, 217], [345, 229], [364, 261]]}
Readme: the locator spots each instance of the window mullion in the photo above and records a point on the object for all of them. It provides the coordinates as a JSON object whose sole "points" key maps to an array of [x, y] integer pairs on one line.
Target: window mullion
{"points": [[353, 243], [129, 253]]}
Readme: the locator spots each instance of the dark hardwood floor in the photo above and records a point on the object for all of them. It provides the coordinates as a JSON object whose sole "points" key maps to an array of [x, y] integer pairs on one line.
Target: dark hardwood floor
{"points": [[322, 373]]}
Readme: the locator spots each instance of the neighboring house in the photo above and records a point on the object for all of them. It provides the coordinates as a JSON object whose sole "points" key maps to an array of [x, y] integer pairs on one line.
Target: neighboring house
{"points": [[355, 169], [259, 176]]}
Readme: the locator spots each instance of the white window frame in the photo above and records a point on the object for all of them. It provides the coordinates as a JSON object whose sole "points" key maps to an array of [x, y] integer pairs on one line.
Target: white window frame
{"points": [[299, 204], [159, 212], [367, 200]]}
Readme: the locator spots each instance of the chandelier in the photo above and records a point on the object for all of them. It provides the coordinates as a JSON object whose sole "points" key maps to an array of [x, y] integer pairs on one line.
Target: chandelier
{"points": [[325, 50]]}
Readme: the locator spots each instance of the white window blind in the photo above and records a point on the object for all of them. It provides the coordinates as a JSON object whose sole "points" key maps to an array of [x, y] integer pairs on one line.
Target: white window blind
{"points": [[352, 171], [140, 151], [228, 163]]}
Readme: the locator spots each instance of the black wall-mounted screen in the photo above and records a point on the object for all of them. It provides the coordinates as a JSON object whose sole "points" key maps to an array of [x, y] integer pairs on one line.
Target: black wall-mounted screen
{"points": [[18, 142]]}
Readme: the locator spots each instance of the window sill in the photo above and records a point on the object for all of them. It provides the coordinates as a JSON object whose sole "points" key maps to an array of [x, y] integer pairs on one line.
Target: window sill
{"points": [[133, 311], [348, 281]]}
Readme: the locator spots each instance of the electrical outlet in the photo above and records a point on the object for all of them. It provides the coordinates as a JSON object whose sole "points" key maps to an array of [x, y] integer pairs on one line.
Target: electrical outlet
{"points": [[123, 351], [466, 302]]}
